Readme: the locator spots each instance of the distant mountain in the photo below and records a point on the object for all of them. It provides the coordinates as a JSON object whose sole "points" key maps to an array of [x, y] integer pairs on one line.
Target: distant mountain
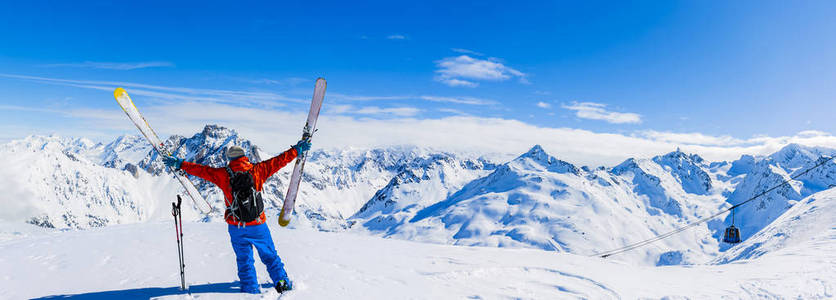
{"points": [[767, 172], [56, 184], [539, 201], [533, 201], [808, 223], [337, 183], [421, 183]]}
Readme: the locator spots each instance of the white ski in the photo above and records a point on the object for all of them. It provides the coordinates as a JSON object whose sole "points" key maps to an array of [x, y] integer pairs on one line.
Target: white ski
{"points": [[133, 113], [307, 133]]}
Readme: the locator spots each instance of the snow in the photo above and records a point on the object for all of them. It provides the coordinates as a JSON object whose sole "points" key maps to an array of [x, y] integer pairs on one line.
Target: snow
{"points": [[139, 261], [53, 184], [810, 221], [539, 201], [523, 228], [771, 171]]}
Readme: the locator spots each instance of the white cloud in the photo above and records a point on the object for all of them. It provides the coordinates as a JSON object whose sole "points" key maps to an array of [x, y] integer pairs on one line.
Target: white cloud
{"points": [[694, 138], [465, 51], [348, 126], [172, 93], [396, 111], [500, 139], [115, 65], [453, 111], [396, 37], [542, 104], [345, 97], [291, 81], [598, 111], [338, 109], [463, 69], [460, 100], [457, 82], [372, 111]]}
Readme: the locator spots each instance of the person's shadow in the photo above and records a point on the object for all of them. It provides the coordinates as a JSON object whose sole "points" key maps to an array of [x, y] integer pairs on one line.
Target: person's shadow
{"points": [[146, 293]]}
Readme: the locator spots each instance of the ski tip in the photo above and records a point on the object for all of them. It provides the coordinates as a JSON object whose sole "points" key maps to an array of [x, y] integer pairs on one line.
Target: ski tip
{"points": [[282, 221], [119, 92]]}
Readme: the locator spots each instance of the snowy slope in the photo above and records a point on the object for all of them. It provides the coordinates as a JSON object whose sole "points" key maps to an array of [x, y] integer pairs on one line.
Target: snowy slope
{"points": [[421, 183], [52, 183], [123, 153], [138, 261], [767, 172], [538, 201], [337, 183], [809, 223], [341, 182]]}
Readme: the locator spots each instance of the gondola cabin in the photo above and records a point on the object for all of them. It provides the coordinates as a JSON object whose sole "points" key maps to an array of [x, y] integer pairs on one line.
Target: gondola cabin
{"points": [[732, 235]]}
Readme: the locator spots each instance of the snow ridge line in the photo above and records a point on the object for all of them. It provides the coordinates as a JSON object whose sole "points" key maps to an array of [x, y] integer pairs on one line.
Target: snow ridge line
{"points": [[706, 219]]}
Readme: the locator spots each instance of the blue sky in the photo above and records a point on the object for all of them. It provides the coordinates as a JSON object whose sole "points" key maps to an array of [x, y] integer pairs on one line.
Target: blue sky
{"points": [[700, 73]]}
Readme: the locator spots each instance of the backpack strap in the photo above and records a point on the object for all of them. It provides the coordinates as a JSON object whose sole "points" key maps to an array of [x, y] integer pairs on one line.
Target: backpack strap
{"points": [[232, 202]]}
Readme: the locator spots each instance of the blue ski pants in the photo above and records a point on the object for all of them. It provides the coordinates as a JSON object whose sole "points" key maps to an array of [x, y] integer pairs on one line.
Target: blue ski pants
{"points": [[243, 239]]}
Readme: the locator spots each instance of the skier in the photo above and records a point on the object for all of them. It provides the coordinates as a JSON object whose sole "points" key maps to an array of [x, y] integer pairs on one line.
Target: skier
{"points": [[245, 235]]}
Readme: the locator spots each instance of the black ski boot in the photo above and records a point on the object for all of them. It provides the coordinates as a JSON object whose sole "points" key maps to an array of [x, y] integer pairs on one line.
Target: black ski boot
{"points": [[284, 285]]}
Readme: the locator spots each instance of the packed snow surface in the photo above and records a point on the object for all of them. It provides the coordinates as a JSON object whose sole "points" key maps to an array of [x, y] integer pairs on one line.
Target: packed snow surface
{"points": [[139, 261]]}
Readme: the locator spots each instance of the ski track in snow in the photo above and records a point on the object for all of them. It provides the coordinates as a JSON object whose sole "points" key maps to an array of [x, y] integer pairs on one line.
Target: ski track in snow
{"points": [[139, 261]]}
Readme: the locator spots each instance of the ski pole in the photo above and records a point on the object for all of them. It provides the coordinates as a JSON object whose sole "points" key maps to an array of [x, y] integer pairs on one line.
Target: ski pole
{"points": [[178, 228]]}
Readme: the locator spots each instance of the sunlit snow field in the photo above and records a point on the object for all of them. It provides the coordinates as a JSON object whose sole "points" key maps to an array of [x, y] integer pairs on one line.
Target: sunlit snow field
{"points": [[139, 261]]}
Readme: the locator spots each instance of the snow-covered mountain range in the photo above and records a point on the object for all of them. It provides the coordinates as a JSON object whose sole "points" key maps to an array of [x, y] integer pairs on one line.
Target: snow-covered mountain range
{"points": [[533, 201]]}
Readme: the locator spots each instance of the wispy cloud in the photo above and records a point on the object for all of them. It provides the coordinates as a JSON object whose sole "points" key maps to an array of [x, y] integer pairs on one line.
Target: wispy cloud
{"points": [[465, 51], [542, 104], [26, 109], [345, 97], [694, 138], [598, 111], [115, 65], [460, 100], [402, 111], [172, 93], [453, 111], [457, 82], [396, 111], [464, 70], [396, 37], [292, 81]]}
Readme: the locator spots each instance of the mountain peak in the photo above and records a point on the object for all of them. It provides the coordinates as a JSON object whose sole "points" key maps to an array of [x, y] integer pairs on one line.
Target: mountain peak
{"points": [[537, 156], [537, 148], [680, 156], [217, 131], [536, 152], [793, 149], [628, 165], [795, 155]]}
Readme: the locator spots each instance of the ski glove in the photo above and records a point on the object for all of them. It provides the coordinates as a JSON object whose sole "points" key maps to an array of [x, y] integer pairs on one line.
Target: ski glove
{"points": [[172, 162], [302, 146]]}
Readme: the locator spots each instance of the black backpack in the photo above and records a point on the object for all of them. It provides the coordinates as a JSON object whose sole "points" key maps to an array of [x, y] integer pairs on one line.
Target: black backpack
{"points": [[247, 204]]}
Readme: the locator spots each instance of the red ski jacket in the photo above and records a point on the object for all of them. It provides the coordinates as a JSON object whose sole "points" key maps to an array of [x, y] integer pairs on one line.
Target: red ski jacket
{"points": [[261, 171]]}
